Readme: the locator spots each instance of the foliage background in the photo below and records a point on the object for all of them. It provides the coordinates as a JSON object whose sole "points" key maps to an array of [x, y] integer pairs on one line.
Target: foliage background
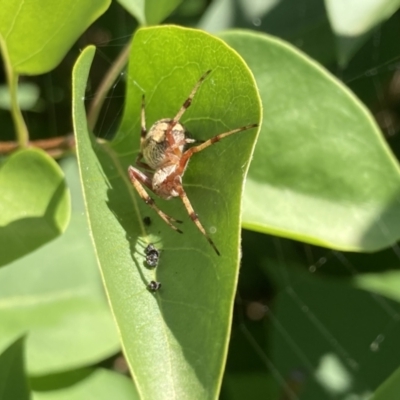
{"points": [[310, 322]]}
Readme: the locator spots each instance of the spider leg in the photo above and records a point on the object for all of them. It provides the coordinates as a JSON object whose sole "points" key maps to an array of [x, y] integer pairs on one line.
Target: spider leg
{"points": [[143, 130], [182, 166], [143, 133], [138, 178], [141, 164], [196, 149], [193, 216], [188, 101], [170, 138]]}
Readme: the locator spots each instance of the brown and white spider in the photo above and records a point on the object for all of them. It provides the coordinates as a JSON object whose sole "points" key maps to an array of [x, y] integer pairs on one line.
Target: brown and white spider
{"points": [[164, 150]]}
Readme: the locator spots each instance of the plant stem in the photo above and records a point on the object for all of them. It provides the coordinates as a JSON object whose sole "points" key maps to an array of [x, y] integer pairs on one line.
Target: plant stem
{"points": [[12, 81], [105, 86]]}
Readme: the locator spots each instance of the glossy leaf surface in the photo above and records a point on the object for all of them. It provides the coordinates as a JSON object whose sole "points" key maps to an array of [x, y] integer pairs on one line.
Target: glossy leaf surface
{"points": [[356, 17], [150, 12], [38, 33], [353, 22], [13, 381], [185, 325], [34, 204], [390, 389], [321, 172], [99, 384], [55, 294]]}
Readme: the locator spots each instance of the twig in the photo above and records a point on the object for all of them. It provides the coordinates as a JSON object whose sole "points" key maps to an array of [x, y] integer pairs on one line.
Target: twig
{"points": [[55, 146]]}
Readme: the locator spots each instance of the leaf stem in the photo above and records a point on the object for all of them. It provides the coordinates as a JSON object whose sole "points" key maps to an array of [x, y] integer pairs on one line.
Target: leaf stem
{"points": [[12, 81], [106, 84]]}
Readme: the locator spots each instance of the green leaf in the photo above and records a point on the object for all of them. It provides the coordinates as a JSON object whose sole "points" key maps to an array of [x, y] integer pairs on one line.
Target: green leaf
{"points": [[353, 21], [55, 293], [100, 384], [34, 205], [358, 16], [136, 8], [150, 12], [218, 16], [28, 95], [180, 333], [39, 33], [13, 382], [322, 172], [384, 283], [390, 389]]}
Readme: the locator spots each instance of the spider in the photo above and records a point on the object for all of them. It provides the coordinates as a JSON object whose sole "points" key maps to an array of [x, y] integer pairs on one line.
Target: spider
{"points": [[164, 149]]}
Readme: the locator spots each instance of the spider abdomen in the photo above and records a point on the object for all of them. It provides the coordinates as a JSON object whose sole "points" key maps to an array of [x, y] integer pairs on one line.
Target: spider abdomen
{"points": [[163, 182], [155, 144]]}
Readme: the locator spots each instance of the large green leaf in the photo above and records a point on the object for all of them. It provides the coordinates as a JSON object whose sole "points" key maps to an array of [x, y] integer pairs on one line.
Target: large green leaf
{"points": [[356, 17], [180, 333], [13, 382], [218, 16], [353, 22], [385, 283], [55, 295], [390, 389], [150, 12], [321, 172], [34, 204], [38, 33], [99, 384]]}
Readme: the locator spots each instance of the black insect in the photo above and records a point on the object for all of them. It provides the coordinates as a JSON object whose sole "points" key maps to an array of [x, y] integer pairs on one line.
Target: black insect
{"points": [[153, 286], [152, 255], [147, 221]]}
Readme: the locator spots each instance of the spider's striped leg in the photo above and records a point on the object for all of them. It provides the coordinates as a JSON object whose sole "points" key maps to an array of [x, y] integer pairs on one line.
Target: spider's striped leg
{"points": [[196, 149], [193, 216], [188, 101], [178, 116], [138, 178], [143, 133], [143, 130], [182, 166]]}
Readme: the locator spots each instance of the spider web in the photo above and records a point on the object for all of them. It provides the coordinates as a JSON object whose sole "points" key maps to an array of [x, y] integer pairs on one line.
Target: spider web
{"points": [[312, 323], [327, 331], [321, 336]]}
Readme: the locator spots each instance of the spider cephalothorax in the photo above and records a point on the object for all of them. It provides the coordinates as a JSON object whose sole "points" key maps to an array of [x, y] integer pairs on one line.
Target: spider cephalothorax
{"points": [[166, 156]]}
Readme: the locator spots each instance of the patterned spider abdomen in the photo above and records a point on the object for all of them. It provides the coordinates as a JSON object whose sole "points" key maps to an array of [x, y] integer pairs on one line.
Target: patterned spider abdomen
{"points": [[164, 182], [156, 150]]}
